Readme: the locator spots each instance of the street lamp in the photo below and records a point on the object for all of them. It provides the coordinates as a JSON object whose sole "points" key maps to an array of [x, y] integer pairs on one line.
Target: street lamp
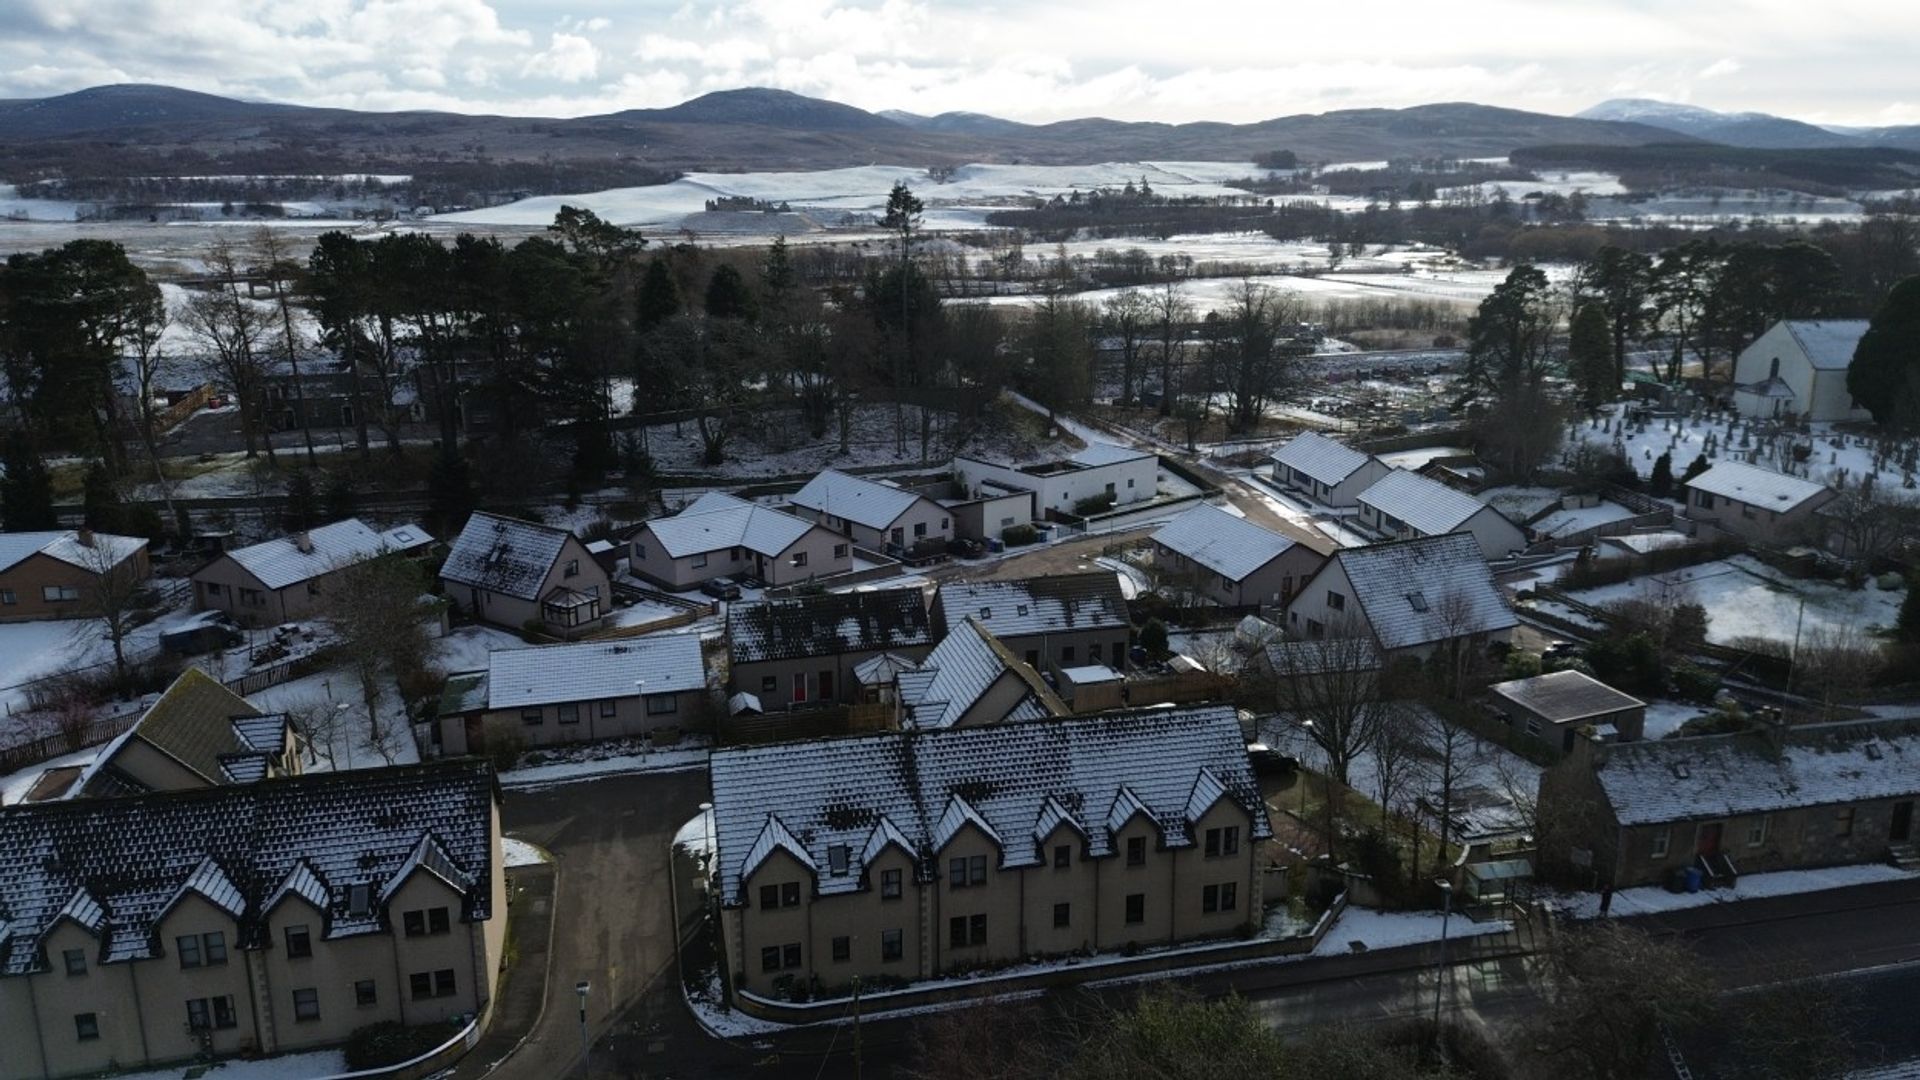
{"points": [[339, 721], [581, 988], [1439, 975], [1306, 726]]}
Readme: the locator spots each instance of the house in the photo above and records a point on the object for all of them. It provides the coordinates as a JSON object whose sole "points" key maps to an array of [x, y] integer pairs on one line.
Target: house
{"points": [[49, 575], [720, 535], [1409, 597], [1757, 505], [511, 573], [876, 516], [156, 929], [987, 514], [804, 650], [1798, 369], [1231, 561], [1405, 504], [580, 692], [1328, 472], [1101, 473], [1554, 707], [1066, 620], [912, 855], [286, 579], [1776, 798], [970, 679]]}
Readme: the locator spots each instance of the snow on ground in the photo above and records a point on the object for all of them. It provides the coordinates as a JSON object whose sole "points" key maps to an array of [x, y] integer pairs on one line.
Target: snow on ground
{"points": [[1393, 929], [1832, 453], [591, 761], [465, 648], [347, 740], [1653, 899], [642, 613], [1575, 519], [777, 443], [308, 1066], [698, 834], [1747, 598], [1415, 459], [35, 650], [520, 853], [1666, 717]]}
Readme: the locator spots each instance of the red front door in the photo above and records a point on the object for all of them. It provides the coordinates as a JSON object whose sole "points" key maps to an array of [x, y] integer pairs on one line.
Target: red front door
{"points": [[1709, 842]]}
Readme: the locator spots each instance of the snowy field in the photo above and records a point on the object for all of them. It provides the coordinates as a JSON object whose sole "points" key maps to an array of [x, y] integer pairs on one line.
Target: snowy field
{"points": [[38, 649], [1834, 454], [1746, 598]]}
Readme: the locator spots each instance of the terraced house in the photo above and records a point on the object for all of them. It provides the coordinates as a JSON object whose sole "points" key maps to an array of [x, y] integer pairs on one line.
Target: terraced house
{"points": [[267, 917], [1062, 621], [804, 650], [908, 856]]}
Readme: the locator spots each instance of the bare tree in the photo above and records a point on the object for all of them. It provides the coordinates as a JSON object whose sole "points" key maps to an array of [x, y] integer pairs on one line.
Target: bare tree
{"points": [[1448, 754], [1126, 316], [375, 610], [1610, 987], [1331, 684], [112, 600], [1866, 523], [281, 267], [233, 331], [147, 319], [1170, 313]]}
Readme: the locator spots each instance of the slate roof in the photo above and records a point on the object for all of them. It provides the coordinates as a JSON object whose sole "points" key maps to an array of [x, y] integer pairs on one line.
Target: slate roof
{"points": [[827, 624], [1393, 582], [594, 670], [1046, 605], [1321, 458], [65, 546], [1565, 696], [1097, 454], [116, 864], [1828, 343], [1715, 776], [716, 521], [1428, 506], [1224, 543], [859, 500], [289, 560], [843, 791], [1756, 486], [197, 722], [504, 555], [959, 671]]}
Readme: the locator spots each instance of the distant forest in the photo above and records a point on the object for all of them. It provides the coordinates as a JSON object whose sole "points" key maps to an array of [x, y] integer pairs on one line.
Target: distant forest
{"points": [[1829, 171]]}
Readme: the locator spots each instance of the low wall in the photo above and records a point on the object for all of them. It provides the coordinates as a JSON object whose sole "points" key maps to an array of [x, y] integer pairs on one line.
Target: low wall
{"points": [[433, 1061]]}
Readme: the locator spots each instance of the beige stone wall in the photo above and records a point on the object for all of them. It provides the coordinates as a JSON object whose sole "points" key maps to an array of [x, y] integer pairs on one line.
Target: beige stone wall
{"points": [[863, 918], [1117, 880], [1048, 885], [1073, 648], [751, 677], [26, 579], [218, 587], [826, 553], [163, 987], [998, 900], [630, 719]]}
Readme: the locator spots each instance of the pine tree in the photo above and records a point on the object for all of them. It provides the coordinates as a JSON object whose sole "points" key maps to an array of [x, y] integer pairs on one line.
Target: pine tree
{"points": [[1907, 629], [26, 490], [1699, 465], [1662, 480], [1590, 357], [302, 506], [659, 298], [1885, 373], [450, 495], [339, 497], [728, 296], [99, 501]]}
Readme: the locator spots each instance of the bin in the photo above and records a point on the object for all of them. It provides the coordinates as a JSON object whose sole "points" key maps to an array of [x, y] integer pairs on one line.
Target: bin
{"points": [[1694, 878]]}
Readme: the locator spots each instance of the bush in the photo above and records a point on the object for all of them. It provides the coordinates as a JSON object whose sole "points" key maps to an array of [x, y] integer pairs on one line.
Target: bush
{"points": [[1019, 535], [1096, 504], [503, 742], [1153, 638], [1695, 683], [389, 1043], [533, 632]]}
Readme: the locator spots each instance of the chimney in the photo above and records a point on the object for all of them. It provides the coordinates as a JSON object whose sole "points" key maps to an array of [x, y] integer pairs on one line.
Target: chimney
{"points": [[1774, 723], [304, 542], [83, 536]]}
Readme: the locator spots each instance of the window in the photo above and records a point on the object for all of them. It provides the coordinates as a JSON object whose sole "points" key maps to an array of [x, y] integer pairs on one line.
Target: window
{"points": [[790, 894], [1229, 896], [967, 871], [206, 1014], [431, 984], [532, 716], [966, 931], [889, 884], [790, 955], [700, 561], [1136, 851], [770, 958], [1843, 821], [299, 945], [1417, 600], [359, 899], [1660, 841], [426, 921], [1746, 510], [306, 1004], [919, 529], [7, 597], [769, 897], [737, 554], [1062, 856], [1703, 499], [837, 859], [570, 713], [573, 568], [187, 947], [609, 708], [1066, 655], [1136, 908], [663, 704], [54, 594], [1757, 832], [1062, 915], [1533, 725], [1336, 601], [799, 686], [640, 551], [223, 1014], [86, 1026], [1315, 629], [891, 945], [1209, 899], [1093, 653], [1222, 841], [842, 949], [770, 684], [839, 551], [76, 960], [1217, 898], [252, 598], [799, 558], [365, 994]]}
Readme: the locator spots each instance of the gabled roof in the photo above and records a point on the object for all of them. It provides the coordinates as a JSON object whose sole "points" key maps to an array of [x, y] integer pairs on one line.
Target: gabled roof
{"points": [[504, 555], [856, 499], [775, 837], [429, 857], [300, 882], [1718, 776], [66, 547], [522, 678], [1428, 506], [960, 814], [827, 624], [959, 672], [195, 722], [1756, 486], [1207, 790], [1046, 605], [1052, 817], [133, 856], [291, 560], [1828, 343], [1427, 589], [1224, 543], [1321, 458], [1565, 696], [716, 521], [830, 792]]}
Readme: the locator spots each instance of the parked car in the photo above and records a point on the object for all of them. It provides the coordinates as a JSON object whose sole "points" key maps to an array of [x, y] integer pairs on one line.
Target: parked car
{"points": [[721, 588], [964, 547], [1562, 650], [204, 633], [1267, 761]]}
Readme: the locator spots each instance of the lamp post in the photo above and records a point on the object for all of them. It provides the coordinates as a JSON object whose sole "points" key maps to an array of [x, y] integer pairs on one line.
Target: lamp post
{"points": [[1306, 726], [586, 1061], [1440, 973], [339, 721]]}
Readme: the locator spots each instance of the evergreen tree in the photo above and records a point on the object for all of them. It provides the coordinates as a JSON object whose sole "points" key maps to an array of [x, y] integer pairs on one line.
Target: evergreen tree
{"points": [[1907, 629], [339, 496], [303, 505], [1661, 482], [99, 501], [450, 495], [1885, 373], [1590, 357], [26, 490], [728, 296], [1699, 465], [659, 298]]}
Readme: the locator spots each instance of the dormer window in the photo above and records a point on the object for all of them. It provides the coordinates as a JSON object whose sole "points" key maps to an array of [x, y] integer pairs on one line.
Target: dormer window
{"points": [[1418, 600], [837, 859], [360, 899]]}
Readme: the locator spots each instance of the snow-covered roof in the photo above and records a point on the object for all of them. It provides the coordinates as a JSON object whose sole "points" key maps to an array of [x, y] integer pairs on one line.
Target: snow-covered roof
{"points": [[1320, 458], [290, 560], [900, 786], [1828, 343], [716, 521], [1715, 776], [240, 846], [854, 498], [1224, 543], [1047, 605], [1756, 486], [1428, 506], [959, 672], [198, 723], [66, 546], [1563, 697], [1097, 454], [594, 670], [827, 624], [1427, 589], [504, 555]]}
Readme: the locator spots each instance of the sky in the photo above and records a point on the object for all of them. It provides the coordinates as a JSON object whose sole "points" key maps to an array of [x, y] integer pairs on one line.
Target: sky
{"points": [[1836, 62]]}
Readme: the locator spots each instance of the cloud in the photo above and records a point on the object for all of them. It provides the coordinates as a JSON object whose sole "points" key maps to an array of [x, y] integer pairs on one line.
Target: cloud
{"points": [[1726, 65], [569, 58]]}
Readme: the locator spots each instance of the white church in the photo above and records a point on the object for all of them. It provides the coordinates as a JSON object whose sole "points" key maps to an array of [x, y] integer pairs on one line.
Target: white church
{"points": [[1799, 369]]}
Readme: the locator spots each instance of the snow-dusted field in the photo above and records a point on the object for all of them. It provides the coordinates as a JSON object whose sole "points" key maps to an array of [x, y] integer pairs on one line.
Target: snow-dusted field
{"points": [[308, 1066], [1746, 598], [1834, 453]]}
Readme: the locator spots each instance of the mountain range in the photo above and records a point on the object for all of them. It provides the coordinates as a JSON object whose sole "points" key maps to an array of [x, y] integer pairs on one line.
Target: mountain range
{"points": [[1754, 129]]}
